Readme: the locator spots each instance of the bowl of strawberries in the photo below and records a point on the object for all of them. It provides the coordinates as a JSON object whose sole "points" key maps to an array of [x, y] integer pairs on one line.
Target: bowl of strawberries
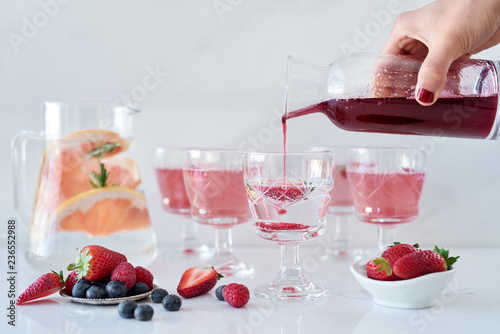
{"points": [[405, 276]]}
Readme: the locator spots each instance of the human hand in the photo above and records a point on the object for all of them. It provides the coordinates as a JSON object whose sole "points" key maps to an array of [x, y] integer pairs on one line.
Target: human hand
{"points": [[442, 32]]}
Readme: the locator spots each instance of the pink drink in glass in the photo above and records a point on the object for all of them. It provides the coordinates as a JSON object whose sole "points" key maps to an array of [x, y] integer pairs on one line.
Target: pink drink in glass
{"points": [[217, 194], [341, 196], [283, 211], [173, 191], [386, 198]]}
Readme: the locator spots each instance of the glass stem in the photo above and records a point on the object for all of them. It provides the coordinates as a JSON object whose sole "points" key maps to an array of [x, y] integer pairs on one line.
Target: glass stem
{"points": [[223, 249], [386, 237], [341, 226], [189, 234], [290, 271]]}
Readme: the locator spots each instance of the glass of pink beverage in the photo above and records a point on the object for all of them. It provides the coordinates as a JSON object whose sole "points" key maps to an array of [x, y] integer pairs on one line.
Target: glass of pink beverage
{"points": [[337, 242], [216, 191], [168, 166], [386, 184], [289, 196]]}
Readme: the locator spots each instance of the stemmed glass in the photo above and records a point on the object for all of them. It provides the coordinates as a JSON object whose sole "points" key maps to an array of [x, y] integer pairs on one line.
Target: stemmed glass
{"points": [[168, 166], [386, 184], [289, 196], [338, 237], [214, 183]]}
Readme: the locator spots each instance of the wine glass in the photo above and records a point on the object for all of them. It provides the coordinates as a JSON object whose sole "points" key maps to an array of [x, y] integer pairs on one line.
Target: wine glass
{"points": [[386, 184], [214, 184], [168, 166], [289, 196], [337, 241]]}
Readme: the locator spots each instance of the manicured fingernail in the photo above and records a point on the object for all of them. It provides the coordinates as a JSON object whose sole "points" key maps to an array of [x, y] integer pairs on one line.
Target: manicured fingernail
{"points": [[425, 96]]}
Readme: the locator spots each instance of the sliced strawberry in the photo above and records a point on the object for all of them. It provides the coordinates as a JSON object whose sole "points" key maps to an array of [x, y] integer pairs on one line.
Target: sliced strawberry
{"points": [[45, 285], [380, 270], [197, 281], [95, 263]]}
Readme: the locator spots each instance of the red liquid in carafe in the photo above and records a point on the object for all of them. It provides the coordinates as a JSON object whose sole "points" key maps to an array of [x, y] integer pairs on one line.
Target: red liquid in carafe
{"points": [[457, 116]]}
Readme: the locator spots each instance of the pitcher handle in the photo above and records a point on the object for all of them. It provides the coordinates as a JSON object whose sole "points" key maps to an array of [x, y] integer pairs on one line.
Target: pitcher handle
{"points": [[18, 157]]}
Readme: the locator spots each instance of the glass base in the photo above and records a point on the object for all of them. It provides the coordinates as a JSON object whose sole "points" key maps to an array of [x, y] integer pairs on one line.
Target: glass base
{"points": [[351, 255], [201, 252], [307, 292], [234, 269]]}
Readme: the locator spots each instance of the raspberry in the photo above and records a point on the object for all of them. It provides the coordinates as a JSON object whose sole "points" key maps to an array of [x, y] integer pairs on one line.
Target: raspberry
{"points": [[124, 272], [237, 295], [143, 275]]}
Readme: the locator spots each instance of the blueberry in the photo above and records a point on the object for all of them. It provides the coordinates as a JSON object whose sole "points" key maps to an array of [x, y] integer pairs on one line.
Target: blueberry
{"points": [[81, 288], [102, 284], [143, 312], [138, 289], [172, 303], [95, 292], [158, 295], [126, 309], [116, 289], [218, 292]]}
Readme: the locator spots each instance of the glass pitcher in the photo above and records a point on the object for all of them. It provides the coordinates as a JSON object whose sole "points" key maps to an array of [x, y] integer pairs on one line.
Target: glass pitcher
{"points": [[88, 189], [376, 93]]}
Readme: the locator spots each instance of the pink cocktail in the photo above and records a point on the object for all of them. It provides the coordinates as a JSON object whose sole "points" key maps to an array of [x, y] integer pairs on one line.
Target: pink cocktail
{"points": [[217, 193], [216, 190], [170, 180], [173, 191], [341, 197], [289, 197], [387, 198], [386, 184]]}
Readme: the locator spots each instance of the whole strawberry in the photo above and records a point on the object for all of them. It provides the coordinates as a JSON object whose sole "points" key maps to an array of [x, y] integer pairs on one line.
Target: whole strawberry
{"points": [[237, 295], [197, 281], [70, 282], [95, 263], [423, 262], [45, 285], [145, 276], [393, 253], [380, 270], [124, 272]]}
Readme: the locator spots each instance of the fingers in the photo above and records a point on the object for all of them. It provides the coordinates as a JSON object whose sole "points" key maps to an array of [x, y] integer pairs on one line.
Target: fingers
{"points": [[432, 73]]}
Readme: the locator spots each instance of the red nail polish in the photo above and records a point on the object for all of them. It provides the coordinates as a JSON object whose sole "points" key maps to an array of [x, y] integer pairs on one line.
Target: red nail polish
{"points": [[425, 96]]}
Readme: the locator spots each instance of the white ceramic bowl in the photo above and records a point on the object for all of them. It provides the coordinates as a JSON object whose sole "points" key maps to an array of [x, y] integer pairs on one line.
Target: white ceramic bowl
{"points": [[419, 292]]}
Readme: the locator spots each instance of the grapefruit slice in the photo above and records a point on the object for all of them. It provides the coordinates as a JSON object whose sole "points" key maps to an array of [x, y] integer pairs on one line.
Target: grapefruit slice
{"points": [[102, 211], [66, 165]]}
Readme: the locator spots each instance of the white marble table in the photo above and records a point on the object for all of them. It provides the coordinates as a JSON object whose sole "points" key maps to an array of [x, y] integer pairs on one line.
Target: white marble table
{"points": [[470, 305]]}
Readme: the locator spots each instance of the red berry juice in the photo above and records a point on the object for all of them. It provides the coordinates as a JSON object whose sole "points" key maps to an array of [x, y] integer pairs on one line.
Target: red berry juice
{"points": [[456, 116]]}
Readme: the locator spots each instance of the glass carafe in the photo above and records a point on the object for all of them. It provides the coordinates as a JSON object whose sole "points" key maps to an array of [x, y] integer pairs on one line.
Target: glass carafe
{"points": [[88, 189], [376, 93]]}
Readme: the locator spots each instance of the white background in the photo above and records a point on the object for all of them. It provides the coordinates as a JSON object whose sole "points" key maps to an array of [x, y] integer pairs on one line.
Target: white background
{"points": [[226, 63]]}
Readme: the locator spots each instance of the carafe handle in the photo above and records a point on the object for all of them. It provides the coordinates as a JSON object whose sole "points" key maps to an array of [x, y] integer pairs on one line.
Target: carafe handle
{"points": [[19, 145]]}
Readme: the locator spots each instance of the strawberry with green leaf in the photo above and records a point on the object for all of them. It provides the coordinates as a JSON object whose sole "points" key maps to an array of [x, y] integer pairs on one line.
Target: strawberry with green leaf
{"points": [[95, 263]]}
